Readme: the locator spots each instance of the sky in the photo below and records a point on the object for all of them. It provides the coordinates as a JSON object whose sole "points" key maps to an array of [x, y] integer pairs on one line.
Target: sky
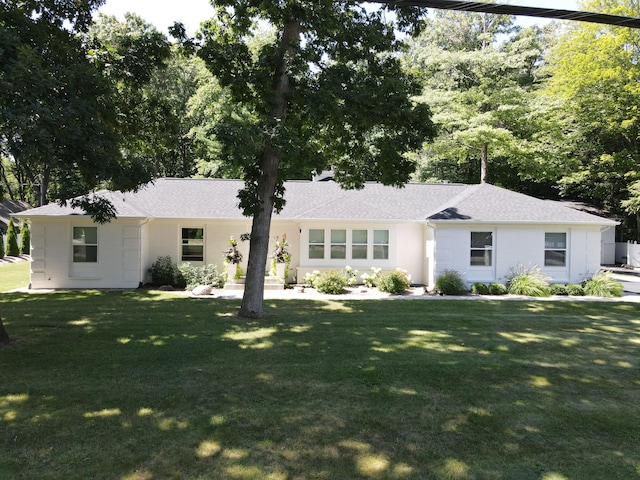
{"points": [[162, 13]]}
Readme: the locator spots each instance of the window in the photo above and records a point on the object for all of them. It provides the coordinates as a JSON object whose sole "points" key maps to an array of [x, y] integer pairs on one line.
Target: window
{"points": [[85, 244], [316, 243], [381, 244], [338, 244], [193, 244], [481, 248], [555, 249], [359, 244]]}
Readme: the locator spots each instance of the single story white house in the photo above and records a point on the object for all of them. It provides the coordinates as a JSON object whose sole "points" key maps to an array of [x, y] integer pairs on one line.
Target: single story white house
{"points": [[482, 231]]}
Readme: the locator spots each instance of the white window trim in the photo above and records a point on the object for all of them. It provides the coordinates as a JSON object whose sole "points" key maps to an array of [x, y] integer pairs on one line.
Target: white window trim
{"points": [[492, 249], [181, 245], [348, 245], [97, 244], [565, 250]]}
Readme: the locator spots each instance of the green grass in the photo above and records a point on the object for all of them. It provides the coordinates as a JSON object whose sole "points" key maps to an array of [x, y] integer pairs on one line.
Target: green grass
{"points": [[144, 385], [14, 275]]}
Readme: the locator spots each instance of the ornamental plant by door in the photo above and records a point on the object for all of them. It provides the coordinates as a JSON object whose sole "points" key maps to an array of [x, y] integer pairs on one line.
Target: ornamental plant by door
{"points": [[281, 259], [232, 256]]}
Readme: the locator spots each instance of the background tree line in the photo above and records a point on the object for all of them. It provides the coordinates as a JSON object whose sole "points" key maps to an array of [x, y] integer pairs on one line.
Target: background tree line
{"points": [[89, 102]]}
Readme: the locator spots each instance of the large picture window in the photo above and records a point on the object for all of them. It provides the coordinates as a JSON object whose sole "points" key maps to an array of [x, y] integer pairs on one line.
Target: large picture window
{"points": [[555, 249], [85, 244], [481, 249], [193, 244], [345, 244]]}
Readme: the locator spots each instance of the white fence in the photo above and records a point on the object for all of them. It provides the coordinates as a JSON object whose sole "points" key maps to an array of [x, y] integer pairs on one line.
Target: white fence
{"points": [[628, 254]]}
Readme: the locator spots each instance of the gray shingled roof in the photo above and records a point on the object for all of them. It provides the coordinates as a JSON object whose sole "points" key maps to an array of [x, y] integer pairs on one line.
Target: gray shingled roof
{"points": [[8, 209], [217, 199]]}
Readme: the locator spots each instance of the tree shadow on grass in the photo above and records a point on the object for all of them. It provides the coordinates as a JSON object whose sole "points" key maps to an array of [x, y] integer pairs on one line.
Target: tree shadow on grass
{"points": [[143, 385]]}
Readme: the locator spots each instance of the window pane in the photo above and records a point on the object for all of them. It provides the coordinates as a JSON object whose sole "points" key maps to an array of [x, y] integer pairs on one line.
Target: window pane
{"points": [[381, 237], [338, 236], [85, 254], [555, 240], [338, 251], [481, 239], [381, 252], [193, 253], [316, 236], [481, 257], [359, 252], [555, 258], [316, 251], [85, 235], [192, 234], [359, 236]]}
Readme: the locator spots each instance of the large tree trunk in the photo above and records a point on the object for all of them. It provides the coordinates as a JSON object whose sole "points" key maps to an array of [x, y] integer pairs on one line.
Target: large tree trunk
{"points": [[253, 299]]}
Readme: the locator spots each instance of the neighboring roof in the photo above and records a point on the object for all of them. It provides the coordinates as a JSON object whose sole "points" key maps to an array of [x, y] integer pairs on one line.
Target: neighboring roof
{"points": [[7, 210], [217, 199]]}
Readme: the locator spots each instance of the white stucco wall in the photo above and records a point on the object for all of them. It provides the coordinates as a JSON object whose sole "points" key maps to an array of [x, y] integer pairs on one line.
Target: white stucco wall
{"points": [[517, 245]]}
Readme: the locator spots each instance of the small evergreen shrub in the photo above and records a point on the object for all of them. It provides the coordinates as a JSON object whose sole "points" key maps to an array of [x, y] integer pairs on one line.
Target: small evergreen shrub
{"points": [[480, 288], [163, 271], [1, 245], [497, 289], [332, 282], [12, 240], [603, 285], [190, 276], [450, 283], [25, 239], [528, 281], [575, 290], [557, 289], [395, 282]]}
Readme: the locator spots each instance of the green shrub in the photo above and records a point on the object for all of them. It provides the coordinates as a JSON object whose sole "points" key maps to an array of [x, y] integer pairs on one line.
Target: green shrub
{"points": [[331, 281], [163, 271], [12, 240], [371, 278], [480, 288], [528, 281], [603, 285], [1, 245], [557, 289], [497, 289], [575, 290], [311, 277], [25, 239], [395, 282], [450, 283], [190, 276]]}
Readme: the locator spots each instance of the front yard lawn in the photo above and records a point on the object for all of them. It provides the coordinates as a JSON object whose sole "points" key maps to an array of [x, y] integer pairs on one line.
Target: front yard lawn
{"points": [[14, 275], [145, 385]]}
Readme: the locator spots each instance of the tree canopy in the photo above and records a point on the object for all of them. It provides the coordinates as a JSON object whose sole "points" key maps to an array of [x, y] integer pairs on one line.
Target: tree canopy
{"points": [[325, 89]]}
